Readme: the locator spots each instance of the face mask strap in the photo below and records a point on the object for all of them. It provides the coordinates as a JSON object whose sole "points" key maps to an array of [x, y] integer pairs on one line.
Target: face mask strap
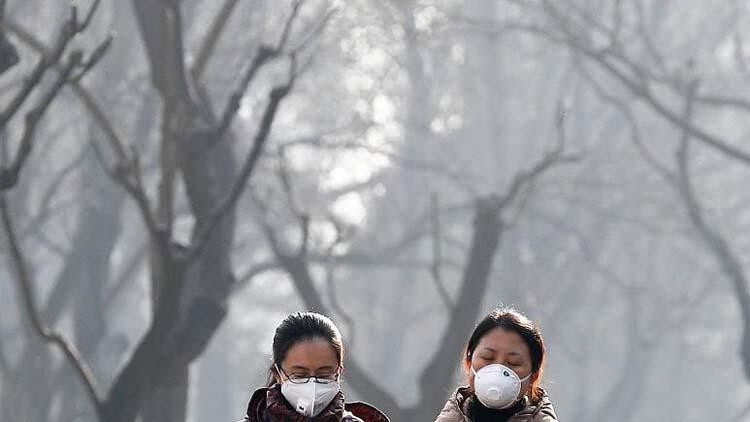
{"points": [[278, 370]]}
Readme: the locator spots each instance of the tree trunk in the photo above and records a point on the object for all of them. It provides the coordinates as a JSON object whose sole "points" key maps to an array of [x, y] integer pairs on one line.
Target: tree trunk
{"points": [[208, 173], [215, 379], [436, 380], [168, 400]]}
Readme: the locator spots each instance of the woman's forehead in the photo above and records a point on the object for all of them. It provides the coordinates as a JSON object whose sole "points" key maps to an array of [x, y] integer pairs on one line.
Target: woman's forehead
{"points": [[311, 354], [502, 340]]}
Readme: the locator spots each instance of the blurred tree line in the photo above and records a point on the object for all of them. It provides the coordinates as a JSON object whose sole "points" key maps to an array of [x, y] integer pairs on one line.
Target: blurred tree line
{"points": [[177, 175]]}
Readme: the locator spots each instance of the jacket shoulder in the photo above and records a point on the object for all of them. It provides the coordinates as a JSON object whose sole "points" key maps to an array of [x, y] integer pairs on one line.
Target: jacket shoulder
{"points": [[255, 405], [452, 411], [543, 411], [366, 412]]}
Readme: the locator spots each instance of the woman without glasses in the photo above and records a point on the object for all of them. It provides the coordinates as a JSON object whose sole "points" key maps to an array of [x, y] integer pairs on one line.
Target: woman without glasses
{"points": [[503, 361]]}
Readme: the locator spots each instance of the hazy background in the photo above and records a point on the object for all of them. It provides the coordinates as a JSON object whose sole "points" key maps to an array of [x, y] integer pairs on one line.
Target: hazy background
{"points": [[585, 161]]}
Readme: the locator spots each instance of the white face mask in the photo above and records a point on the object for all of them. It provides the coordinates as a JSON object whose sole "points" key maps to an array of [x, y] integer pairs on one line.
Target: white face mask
{"points": [[497, 386], [310, 398]]}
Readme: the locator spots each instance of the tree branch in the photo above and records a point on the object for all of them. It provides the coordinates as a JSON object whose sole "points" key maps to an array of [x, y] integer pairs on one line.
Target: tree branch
{"points": [[70, 28], [330, 269], [437, 255], [23, 278], [128, 174], [8, 53], [209, 43], [79, 90], [263, 55], [9, 175], [526, 177], [276, 96], [635, 132], [408, 163], [296, 5], [46, 204], [639, 87], [730, 263]]}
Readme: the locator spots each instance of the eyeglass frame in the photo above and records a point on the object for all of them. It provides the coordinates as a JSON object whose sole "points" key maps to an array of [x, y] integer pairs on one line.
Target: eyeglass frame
{"points": [[305, 380]]}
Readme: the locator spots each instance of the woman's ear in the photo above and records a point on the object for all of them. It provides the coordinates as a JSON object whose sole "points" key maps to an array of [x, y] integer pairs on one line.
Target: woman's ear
{"points": [[467, 365]]}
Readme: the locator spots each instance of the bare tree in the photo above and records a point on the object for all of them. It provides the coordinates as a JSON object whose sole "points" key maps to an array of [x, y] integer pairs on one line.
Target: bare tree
{"points": [[643, 72], [488, 229], [74, 67], [191, 282]]}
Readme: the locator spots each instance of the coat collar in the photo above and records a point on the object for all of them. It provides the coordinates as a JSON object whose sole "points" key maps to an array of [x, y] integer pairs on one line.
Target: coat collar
{"points": [[268, 404], [463, 399]]}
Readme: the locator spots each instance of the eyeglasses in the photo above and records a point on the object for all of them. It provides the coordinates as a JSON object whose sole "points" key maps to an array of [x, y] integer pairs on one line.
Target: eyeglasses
{"points": [[304, 378]]}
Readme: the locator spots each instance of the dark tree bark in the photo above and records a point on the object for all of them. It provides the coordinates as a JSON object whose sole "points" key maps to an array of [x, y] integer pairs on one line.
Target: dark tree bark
{"points": [[191, 282]]}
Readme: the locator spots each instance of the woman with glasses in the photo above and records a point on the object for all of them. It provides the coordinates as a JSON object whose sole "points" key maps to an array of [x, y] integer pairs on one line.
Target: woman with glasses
{"points": [[503, 363], [308, 357]]}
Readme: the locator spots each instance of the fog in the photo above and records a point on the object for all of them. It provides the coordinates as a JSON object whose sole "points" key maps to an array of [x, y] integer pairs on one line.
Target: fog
{"points": [[179, 175]]}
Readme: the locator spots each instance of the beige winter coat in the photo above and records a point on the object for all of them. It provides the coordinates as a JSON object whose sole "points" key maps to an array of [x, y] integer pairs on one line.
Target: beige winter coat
{"points": [[458, 407]]}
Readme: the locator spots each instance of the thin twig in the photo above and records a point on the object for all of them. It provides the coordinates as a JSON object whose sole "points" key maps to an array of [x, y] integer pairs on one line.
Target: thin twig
{"points": [[214, 33], [128, 175], [70, 29], [437, 254], [408, 163], [296, 5], [302, 217], [251, 273], [314, 32], [635, 133], [9, 175], [93, 59], [330, 267], [640, 89], [719, 246], [45, 203], [263, 55], [88, 99], [523, 178]]}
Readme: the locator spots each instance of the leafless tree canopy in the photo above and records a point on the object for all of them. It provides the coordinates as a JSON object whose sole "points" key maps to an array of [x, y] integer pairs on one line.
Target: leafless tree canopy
{"points": [[178, 175]]}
